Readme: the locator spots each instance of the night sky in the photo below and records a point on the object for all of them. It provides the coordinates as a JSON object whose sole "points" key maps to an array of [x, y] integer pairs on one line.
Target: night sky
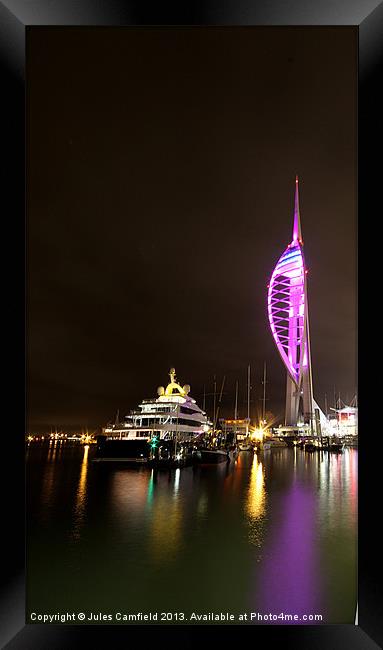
{"points": [[161, 174]]}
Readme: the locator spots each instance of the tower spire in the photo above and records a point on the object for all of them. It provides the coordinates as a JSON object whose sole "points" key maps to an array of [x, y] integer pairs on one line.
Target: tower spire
{"points": [[297, 234]]}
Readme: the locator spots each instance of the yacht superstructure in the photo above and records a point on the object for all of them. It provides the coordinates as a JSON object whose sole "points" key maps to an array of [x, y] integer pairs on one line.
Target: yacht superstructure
{"points": [[163, 428]]}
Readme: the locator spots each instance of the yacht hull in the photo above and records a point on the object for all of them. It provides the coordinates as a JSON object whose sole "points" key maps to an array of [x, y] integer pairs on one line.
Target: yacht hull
{"points": [[212, 456], [134, 452]]}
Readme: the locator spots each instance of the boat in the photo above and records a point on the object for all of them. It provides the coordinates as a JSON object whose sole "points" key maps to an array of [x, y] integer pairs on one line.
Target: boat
{"points": [[206, 456], [336, 446], [233, 452], [330, 444], [274, 443], [245, 446], [291, 441], [163, 432], [309, 446], [350, 441]]}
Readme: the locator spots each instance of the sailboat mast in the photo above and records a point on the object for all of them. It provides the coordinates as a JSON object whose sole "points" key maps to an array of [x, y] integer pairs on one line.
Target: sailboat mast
{"points": [[219, 401], [264, 393], [215, 391], [248, 398], [236, 401], [339, 414]]}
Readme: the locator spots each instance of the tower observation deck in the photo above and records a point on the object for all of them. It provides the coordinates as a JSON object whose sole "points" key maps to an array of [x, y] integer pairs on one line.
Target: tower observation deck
{"points": [[289, 323]]}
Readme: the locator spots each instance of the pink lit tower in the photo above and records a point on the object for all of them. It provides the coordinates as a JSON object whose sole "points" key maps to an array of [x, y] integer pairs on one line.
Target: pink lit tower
{"points": [[289, 322]]}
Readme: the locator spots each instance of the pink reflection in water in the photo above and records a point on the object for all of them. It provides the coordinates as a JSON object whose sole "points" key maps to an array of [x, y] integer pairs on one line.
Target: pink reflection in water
{"points": [[290, 574]]}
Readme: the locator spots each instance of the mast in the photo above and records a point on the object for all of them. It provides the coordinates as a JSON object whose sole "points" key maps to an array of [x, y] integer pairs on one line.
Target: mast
{"points": [[236, 401], [297, 233], [204, 397], [215, 391], [264, 393], [248, 399], [219, 401]]}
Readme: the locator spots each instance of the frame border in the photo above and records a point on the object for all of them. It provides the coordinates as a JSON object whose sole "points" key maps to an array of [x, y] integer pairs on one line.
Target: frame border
{"points": [[16, 18]]}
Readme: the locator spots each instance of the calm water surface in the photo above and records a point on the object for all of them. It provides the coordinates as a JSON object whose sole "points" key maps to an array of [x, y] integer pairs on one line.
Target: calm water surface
{"points": [[270, 533]]}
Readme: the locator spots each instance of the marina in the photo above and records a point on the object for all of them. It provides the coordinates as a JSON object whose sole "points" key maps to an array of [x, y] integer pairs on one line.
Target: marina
{"points": [[168, 503], [163, 504], [266, 531]]}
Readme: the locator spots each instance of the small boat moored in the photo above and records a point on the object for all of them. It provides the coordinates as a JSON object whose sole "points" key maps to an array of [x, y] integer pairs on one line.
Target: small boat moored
{"points": [[336, 447], [245, 447], [211, 456]]}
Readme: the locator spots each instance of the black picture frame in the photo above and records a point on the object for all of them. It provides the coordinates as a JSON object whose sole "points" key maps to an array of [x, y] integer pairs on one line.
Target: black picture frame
{"points": [[15, 19]]}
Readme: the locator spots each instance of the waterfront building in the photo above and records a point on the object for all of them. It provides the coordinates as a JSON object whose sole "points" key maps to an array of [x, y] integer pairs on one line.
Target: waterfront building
{"points": [[344, 423], [235, 429]]}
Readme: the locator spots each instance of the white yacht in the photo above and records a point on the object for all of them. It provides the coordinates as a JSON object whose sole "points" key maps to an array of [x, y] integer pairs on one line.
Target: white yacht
{"points": [[163, 429]]}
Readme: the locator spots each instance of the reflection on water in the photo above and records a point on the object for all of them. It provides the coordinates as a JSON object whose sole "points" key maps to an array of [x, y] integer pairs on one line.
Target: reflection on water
{"points": [[202, 506], [47, 491], [291, 566], [81, 495], [273, 532], [256, 493], [165, 529], [256, 500], [177, 474], [128, 494]]}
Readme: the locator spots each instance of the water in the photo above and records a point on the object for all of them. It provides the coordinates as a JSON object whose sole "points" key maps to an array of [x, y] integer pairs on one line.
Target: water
{"points": [[273, 534]]}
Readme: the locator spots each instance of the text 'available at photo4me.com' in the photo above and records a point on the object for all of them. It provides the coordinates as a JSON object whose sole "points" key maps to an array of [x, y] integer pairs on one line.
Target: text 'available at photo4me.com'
{"points": [[172, 617]]}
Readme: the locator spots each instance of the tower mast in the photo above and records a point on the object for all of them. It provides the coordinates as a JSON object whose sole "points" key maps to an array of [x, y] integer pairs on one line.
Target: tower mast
{"points": [[297, 232]]}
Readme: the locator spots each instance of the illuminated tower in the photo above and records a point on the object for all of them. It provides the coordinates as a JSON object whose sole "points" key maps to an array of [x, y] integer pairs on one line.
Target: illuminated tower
{"points": [[289, 322]]}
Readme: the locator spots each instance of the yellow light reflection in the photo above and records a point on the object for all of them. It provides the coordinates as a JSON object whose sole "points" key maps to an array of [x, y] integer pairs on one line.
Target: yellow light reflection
{"points": [[166, 528], [202, 506], [256, 499], [176, 481], [81, 494]]}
